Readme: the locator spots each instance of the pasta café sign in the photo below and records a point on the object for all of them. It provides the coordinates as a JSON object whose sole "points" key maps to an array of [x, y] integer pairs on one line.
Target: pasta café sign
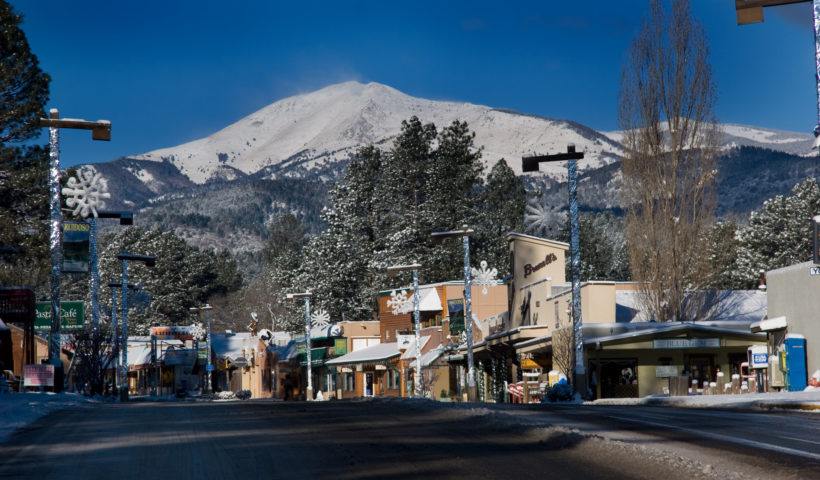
{"points": [[529, 268], [72, 316]]}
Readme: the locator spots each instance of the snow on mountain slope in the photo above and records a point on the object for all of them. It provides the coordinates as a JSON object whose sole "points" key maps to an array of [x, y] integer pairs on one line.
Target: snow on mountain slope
{"points": [[332, 123], [735, 135]]}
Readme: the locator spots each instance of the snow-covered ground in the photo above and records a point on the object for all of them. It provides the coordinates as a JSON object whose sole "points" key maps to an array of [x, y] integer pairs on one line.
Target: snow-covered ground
{"points": [[806, 400], [20, 409]]}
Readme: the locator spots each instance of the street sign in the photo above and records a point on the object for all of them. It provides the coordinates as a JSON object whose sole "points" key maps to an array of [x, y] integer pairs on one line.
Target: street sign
{"points": [[814, 271], [209, 368]]}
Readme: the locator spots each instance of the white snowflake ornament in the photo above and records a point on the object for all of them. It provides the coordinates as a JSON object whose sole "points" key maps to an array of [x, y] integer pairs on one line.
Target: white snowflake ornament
{"points": [[85, 192], [537, 216], [484, 277], [320, 319], [399, 303], [197, 331]]}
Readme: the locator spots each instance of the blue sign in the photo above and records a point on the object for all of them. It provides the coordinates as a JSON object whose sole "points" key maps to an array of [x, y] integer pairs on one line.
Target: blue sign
{"points": [[760, 360], [209, 368]]}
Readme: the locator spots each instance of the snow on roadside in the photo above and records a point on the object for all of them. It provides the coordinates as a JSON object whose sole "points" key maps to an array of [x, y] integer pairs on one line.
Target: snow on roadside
{"points": [[20, 409], [806, 400]]}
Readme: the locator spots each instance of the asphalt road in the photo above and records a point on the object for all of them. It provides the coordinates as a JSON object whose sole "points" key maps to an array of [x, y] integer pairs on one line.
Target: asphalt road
{"points": [[406, 439]]}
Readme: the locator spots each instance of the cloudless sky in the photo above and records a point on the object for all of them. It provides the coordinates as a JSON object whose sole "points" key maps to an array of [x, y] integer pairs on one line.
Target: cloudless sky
{"points": [[172, 71]]}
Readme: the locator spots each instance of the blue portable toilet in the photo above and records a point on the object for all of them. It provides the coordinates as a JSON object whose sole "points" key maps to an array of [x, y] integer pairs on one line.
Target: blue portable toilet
{"points": [[796, 371]]}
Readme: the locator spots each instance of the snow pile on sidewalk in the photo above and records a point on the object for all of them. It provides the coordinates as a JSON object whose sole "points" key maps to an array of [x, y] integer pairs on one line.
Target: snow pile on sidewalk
{"points": [[805, 400], [20, 409]]}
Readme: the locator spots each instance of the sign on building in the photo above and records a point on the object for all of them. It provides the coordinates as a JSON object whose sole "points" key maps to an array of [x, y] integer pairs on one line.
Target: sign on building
{"points": [[72, 316], [340, 346], [671, 343]]}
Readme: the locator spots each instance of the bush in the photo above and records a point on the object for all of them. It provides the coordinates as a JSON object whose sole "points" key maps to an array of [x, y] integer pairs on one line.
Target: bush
{"points": [[560, 392], [243, 394]]}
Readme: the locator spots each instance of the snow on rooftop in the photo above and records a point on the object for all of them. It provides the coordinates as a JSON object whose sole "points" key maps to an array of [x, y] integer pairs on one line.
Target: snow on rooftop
{"points": [[382, 351]]}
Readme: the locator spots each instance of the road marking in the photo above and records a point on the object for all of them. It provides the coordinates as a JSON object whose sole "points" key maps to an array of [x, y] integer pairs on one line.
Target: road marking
{"points": [[799, 439], [726, 438]]}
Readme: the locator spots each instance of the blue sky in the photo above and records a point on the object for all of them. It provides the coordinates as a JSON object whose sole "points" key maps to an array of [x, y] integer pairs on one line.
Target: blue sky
{"points": [[173, 71]]}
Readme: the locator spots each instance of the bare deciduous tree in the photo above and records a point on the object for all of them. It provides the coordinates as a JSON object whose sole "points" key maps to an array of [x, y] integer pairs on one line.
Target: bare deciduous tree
{"points": [[670, 147], [563, 350]]}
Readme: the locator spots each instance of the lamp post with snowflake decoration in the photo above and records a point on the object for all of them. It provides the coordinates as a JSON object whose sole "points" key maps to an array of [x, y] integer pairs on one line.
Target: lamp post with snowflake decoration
{"points": [[101, 130], [209, 368], [485, 277], [308, 357], [530, 164], [465, 233], [391, 272]]}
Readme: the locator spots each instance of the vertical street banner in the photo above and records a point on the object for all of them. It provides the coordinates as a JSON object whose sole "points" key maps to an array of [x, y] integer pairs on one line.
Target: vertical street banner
{"points": [[76, 246], [72, 316], [456, 310]]}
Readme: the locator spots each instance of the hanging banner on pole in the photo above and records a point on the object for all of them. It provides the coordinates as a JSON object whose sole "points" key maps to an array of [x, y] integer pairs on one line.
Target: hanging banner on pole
{"points": [[76, 246]]}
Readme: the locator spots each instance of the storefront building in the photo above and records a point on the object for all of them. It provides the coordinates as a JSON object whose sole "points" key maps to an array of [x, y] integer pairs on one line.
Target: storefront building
{"points": [[626, 353]]}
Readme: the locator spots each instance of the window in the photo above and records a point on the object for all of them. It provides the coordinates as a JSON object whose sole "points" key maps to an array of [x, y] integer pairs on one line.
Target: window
{"points": [[350, 382], [557, 318]]}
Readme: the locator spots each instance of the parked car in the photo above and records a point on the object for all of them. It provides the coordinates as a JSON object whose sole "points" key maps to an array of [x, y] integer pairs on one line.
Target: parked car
{"points": [[11, 381]]}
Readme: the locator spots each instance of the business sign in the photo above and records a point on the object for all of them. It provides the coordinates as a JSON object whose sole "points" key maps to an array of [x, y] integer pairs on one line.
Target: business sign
{"points": [[666, 371], [174, 333], [75, 246], [673, 343], [38, 376], [72, 316], [340, 346]]}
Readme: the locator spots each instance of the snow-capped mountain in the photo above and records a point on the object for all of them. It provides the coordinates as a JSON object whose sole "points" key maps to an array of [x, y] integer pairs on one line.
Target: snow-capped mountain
{"points": [[332, 123], [223, 191]]}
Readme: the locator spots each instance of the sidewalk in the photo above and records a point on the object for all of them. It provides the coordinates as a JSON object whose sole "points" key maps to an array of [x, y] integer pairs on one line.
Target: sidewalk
{"points": [[806, 400]]}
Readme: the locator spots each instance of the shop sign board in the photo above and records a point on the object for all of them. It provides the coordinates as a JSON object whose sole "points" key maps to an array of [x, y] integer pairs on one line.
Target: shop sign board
{"points": [[673, 343], [72, 316], [38, 375], [340, 346], [666, 371]]}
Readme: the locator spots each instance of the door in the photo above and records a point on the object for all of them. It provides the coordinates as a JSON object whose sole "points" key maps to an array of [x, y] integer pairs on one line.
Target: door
{"points": [[701, 368], [368, 384]]}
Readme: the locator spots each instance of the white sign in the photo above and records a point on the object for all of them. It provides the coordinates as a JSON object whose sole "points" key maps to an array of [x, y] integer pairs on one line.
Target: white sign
{"points": [[814, 271], [664, 343]]}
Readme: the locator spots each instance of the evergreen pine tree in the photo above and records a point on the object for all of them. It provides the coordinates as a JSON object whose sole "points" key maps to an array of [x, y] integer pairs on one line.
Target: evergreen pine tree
{"points": [[23, 169], [501, 204], [778, 235]]}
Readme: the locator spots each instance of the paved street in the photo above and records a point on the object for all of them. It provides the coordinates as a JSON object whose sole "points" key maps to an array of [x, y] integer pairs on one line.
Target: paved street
{"points": [[403, 439]]}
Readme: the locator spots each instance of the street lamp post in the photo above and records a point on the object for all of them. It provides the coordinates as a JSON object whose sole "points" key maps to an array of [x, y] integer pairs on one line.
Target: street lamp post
{"points": [[115, 354], [207, 309], [150, 261], [392, 271], [101, 130], [126, 218], [530, 164], [308, 357], [751, 11], [465, 233]]}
